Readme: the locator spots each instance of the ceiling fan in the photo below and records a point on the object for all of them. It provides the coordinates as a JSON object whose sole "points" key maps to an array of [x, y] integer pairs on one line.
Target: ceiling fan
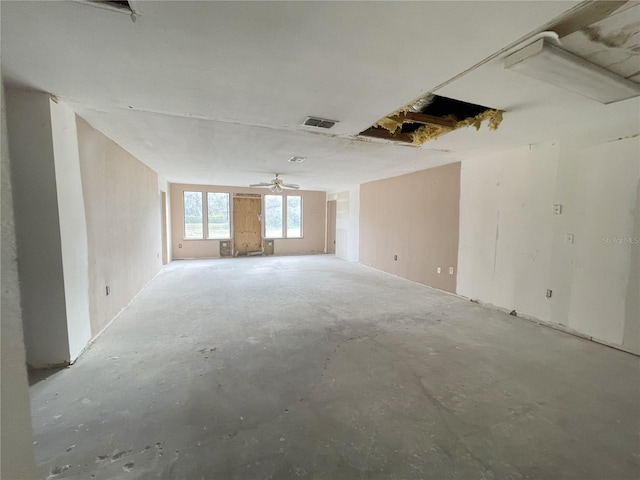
{"points": [[276, 185]]}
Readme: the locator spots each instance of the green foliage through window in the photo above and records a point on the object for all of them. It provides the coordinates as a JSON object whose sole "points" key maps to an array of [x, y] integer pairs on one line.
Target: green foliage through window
{"points": [[273, 216], [294, 217], [274, 213], [218, 219], [193, 227]]}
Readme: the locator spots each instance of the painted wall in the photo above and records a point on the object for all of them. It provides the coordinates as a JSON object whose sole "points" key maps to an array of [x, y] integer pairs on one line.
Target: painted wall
{"points": [[73, 227], [513, 248], [347, 223], [314, 218], [16, 441], [37, 227], [415, 217], [122, 206]]}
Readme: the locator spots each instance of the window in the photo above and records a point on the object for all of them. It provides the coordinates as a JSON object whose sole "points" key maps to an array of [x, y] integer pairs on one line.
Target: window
{"points": [[280, 210], [218, 224], [273, 216], [193, 219], [294, 216]]}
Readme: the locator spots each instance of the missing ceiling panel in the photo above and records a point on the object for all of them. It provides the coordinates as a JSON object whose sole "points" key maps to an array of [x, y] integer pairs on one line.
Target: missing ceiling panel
{"points": [[121, 6], [116, 4], [430, 117]]}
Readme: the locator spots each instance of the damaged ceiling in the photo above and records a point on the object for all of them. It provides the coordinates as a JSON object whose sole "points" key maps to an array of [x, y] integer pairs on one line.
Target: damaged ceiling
{"points": [[216, 92], [430, 117]]}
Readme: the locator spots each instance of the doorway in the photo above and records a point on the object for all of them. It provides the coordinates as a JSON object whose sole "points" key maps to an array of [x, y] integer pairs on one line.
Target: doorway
{"points": [[247, 224], [163, 210], [331, 226]]}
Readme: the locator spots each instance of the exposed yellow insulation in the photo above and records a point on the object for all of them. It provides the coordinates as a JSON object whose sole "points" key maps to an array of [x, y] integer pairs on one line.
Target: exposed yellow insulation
{"points": [[494, 117], [393, 121], [389, 123], [426, 133]]}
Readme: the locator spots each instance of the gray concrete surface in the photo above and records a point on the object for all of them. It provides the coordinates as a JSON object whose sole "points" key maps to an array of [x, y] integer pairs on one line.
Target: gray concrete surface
{"points": [[312, 367]]}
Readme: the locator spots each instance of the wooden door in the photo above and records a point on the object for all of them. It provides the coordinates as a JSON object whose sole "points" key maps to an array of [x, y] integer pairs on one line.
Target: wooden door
{"points": [[331, 226], [247, 228]]}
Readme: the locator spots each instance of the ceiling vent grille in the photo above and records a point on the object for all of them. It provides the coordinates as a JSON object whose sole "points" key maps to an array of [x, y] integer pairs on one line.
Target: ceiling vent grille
{"points": [[318, 122]]}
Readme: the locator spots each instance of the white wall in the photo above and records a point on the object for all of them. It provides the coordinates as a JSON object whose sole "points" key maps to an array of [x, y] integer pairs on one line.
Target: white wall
{"points": [[512, 247], [16, 440], [123, 217], [37, 227], [73, 227], [347, 223]]}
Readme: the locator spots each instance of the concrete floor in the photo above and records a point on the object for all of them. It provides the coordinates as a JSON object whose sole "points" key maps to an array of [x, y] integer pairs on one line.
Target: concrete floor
{"points": [[311, 367]]}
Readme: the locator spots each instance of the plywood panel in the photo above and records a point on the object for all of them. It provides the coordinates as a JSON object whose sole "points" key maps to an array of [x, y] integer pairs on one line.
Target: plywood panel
{"points": [[247, 228]]}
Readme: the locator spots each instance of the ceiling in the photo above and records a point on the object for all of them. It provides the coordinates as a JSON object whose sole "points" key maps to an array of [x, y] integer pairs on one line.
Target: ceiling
{"points": [[215, 92]]}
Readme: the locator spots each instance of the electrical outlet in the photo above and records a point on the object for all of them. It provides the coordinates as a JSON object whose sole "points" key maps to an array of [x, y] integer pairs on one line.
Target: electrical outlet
{"points": [[568, 238], [557, 209], [395, 257], [549, 293], [438, 270], [107, 290], [450, 270]]}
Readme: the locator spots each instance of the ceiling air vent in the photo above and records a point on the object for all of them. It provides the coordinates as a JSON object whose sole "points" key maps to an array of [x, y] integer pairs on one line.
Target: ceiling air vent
{"points": [[319, 122]]}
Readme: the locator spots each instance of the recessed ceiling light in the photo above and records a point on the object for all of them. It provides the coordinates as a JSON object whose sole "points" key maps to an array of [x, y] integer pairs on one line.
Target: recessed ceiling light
{"points": [[297, 159]]}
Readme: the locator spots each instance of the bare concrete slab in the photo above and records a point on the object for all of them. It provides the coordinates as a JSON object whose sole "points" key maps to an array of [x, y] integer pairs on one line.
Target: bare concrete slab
{"points": [[312, 367]]}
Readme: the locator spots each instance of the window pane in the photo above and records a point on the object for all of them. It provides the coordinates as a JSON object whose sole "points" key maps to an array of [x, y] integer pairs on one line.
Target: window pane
{"points": [[218, 213], [193, 215], [294, 216], [273, 216]]}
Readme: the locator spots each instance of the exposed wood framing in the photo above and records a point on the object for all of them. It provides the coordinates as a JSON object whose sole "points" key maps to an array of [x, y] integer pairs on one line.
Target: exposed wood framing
{"points": [[378, 132]]}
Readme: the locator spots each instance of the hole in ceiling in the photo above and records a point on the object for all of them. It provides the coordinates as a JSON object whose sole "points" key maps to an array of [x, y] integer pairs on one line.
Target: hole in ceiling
{"points": [[430, 117], [119, 5]]}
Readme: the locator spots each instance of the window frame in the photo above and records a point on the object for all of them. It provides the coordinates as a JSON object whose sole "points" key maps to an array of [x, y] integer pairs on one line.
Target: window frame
{"points": [[284, 207], [205, 216], [184, 216]]}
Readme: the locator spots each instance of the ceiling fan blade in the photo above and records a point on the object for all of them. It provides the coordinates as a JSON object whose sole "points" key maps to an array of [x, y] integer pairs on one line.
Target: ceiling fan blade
{"points": [[291, 185], [261, 184]]}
